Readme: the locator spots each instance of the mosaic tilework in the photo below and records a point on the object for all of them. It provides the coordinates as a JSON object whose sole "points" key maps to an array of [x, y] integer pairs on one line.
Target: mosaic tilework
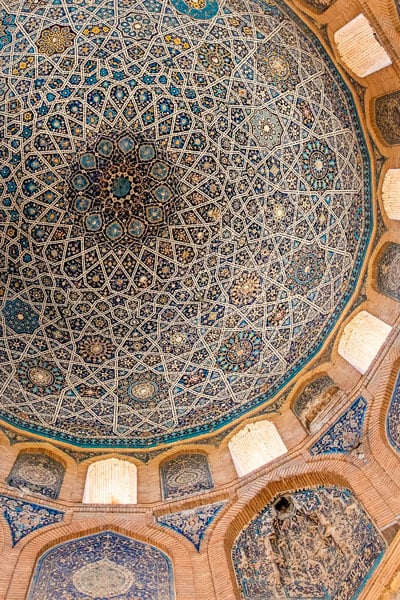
{"points": [[346, 433], [192, 523], [185, 475], [24, 517], [388, 269], [37, 473], [393, 417], [184, 212], [314, 543], [313, 398], [319, 6], [386, 116], [105, 565]]}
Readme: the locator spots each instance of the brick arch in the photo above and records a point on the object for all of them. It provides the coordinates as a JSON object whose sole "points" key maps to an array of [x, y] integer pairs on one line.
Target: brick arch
{"points": [[251, 499], [390, 390], [24, 560], [315, 541], [100, 562]]}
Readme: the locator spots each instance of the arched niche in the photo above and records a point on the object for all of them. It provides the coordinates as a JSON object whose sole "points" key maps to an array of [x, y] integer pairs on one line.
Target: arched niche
{"points": [[111, 481], [314, 543], [38, 473], [314, 402], [255, 445], [361, 340], [359, 47], [318, 6], [387, 117], [103, 565], [184, 475], [387, 269]]}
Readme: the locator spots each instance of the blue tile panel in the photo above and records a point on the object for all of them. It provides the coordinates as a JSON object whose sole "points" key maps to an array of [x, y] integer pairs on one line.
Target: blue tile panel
{"points": [[102, 566], [346, 433], [184, 475], [393, 417], [24, 517], [192, 523]]}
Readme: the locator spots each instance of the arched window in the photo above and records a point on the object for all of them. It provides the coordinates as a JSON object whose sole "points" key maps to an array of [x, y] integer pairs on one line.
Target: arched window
{"points": [[105, 565], [184, 475], [255, 445], [391, 193], [359, 48], [37, 473], [361, 340], [111, 481]]}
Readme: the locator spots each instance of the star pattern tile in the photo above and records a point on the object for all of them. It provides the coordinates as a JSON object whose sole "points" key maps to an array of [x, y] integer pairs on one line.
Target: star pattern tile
{"points": [[185, 207]]}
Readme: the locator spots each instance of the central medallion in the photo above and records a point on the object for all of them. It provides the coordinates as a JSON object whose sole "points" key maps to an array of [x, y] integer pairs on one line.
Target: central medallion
{"points": [[122, 188], [103, 578]]}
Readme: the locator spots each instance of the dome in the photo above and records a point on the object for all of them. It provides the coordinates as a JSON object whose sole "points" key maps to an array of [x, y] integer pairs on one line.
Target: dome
{"points": [[185, 206]]}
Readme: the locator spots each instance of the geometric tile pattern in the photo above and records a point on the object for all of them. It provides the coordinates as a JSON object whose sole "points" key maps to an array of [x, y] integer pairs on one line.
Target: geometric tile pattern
{"points": [[104, 565], [184, 213], [314, 543], [184, 475], [346, 433], [388, 269], [192, 523], [38, 473], [393, 417], [24, 517]]}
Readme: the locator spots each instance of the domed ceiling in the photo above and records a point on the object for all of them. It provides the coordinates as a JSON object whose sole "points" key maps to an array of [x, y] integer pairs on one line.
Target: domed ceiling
{"points": [[185, 209]]}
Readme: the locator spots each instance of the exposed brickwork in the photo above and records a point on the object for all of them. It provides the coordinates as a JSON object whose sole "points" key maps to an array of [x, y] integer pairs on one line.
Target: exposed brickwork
{"points": [[371, 471]]}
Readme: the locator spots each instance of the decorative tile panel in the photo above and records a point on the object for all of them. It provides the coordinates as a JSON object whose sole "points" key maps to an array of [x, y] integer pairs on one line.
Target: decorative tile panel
{"points": [[319, 6], [313, 399], [105, 565], [192, 523], [393, 417], [37, 473], [387, 117], [24, 517], [174, 182], [184, 475], [346, 433], [388, 272], [314, 543]]}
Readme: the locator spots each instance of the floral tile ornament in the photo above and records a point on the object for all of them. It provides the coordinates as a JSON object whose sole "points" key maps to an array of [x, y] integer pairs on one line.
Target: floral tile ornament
{"points": [[24, 517], [55, 40], [346, 433], [311, 543], [192, 523], [393, 417], [104, 565], [184, 475], [38, 473]]}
